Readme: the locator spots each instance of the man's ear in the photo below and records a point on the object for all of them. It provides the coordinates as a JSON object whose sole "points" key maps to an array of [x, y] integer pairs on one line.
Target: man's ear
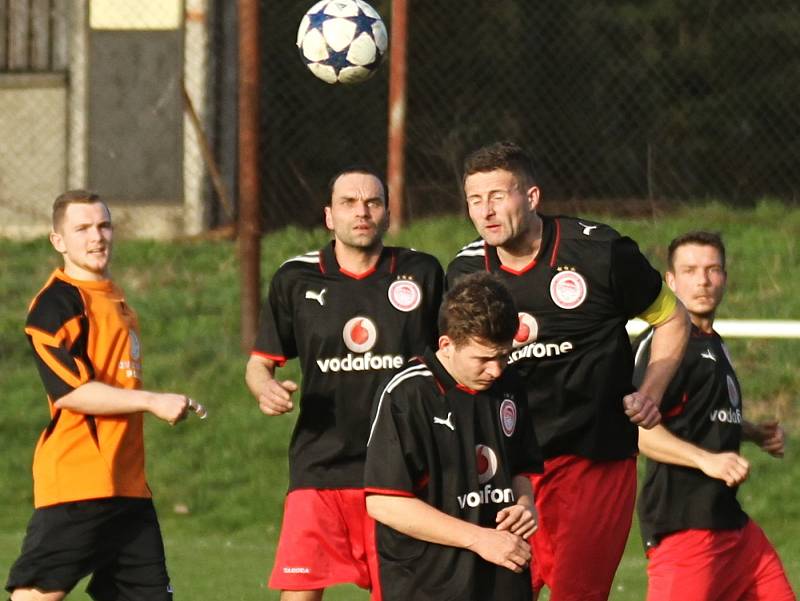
{"points": [[670, 279], [57, 241]]}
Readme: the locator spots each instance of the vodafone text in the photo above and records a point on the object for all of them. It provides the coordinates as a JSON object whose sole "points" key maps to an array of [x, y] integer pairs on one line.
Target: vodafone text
{"points": [[726, 416], [486, 495], [364, 362], [541, 349]]}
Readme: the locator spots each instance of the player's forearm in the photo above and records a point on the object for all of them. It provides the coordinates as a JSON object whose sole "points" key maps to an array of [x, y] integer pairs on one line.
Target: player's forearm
{"points": [[415, 518], [523, 490], [666, 351], [259, 373], [97, 398], [660, 444], [751, 432]]}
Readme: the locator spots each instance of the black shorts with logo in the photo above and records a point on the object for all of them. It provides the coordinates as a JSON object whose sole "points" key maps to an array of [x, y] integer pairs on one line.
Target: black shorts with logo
{"points": [[117, 540]]}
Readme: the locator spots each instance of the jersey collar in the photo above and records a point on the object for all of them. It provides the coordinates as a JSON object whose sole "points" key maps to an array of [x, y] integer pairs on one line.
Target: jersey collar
{"points": [[551, 237], [328, 265], [444, 381]]}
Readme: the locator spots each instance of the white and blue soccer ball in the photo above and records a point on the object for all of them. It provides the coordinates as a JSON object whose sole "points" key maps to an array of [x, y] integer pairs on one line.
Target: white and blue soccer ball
{"points": [[342, 41]]}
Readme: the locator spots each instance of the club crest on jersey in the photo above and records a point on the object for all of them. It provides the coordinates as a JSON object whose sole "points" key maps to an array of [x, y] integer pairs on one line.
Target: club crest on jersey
{"points": [[359, 334], [568, 289], [733, 392], [405, 295], [508, 416], [527, 330], [486, 462]]}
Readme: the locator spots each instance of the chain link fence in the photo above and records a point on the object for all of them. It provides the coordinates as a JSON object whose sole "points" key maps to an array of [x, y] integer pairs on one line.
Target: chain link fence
{"points": [[617, 101]]}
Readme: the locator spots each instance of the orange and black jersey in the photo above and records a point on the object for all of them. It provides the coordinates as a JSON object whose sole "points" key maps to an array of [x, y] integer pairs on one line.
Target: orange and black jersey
{"points": [[350, 332], [82, 331], [457, 450], [702, 405], [572, 348]]}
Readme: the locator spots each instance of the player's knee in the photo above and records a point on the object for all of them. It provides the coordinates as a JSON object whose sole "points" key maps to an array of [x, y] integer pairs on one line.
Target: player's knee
{"points": [[33, 594]]}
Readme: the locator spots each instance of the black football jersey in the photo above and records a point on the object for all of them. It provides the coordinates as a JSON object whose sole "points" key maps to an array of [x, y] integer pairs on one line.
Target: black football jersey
{"points": [[572, 348], [350, 332], [702, 405], [457, 450]]}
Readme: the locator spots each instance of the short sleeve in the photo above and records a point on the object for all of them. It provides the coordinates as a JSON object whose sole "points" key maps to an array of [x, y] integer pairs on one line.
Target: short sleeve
{"points": [[276, 339], [394, 464], [58, 332], [469, 260], [634, 282]]}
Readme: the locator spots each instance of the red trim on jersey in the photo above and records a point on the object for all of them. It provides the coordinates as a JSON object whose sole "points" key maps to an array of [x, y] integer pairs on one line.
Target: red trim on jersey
{"points": [[698, 333], [554, 257], [281, 361], [528, 267], [678, 409], [358, 276], [393, 264], [388, 491], [423, 481], [466, 389]]}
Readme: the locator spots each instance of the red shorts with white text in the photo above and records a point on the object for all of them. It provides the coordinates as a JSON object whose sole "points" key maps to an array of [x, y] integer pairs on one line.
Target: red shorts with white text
{"points": [[585, 513], [326, 538], [717, 565]]}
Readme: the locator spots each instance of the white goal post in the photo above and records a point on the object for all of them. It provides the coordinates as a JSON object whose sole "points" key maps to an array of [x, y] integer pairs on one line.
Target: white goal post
{"points": [[739, 328]]}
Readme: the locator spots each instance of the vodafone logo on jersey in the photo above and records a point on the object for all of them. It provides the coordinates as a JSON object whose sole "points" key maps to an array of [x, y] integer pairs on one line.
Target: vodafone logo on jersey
{"points": [[568, 289], [486, 460], [527, 331], [508, 417], [360, 334], [405, 295], [487, 468]]}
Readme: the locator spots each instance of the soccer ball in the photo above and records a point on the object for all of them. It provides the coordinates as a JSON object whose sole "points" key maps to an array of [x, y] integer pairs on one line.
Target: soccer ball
{"points": [[342, 41]]}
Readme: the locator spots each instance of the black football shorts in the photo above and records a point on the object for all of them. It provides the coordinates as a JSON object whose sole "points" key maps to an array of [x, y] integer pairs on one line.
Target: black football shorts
{"points": [[117, 540]]}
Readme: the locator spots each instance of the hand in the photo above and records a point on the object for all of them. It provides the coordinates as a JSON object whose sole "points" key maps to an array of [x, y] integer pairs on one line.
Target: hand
{"points": [[170, 407], [521, 520], [276, 399], [503, 549], [732, 468], [771, 438], [641, 410]]}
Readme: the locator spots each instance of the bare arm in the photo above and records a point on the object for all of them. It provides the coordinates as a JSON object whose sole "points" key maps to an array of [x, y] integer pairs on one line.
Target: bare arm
{"points": [[96, 398], [274, 397], [662, 445], [767, 435], [666, 351], [417, 519], [521, 518]]}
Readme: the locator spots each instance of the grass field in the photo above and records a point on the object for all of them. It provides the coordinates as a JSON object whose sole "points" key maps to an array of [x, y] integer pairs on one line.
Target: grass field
{"points": [[219, 484]]}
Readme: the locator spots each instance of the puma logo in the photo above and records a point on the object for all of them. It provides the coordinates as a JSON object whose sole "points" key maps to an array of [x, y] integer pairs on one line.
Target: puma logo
{"points": [[445, 421], [708, 355], [587, 229], [317, 296]]}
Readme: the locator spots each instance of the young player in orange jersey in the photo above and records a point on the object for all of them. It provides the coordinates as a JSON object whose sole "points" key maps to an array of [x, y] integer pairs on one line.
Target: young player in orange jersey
{"points": [[93, 508]]}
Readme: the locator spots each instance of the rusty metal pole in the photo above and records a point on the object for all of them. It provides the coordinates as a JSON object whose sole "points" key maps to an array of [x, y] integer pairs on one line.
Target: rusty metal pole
{"points": [[397, 113], [249, 225]]}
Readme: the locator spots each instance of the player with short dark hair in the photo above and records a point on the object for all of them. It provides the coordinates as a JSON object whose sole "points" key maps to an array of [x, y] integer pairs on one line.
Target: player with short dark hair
{"points": [[575, 283], [93, 508], [701, 545], [449, 457], [353, 312]]}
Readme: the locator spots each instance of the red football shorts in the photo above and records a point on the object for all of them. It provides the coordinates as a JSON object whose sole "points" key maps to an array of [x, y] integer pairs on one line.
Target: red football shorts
{"points": [[327, 538], [585, 512], [717, 565]]}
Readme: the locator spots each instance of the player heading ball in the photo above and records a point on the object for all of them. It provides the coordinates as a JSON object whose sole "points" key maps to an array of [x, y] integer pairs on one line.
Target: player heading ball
{"points": [[449, 456]]}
